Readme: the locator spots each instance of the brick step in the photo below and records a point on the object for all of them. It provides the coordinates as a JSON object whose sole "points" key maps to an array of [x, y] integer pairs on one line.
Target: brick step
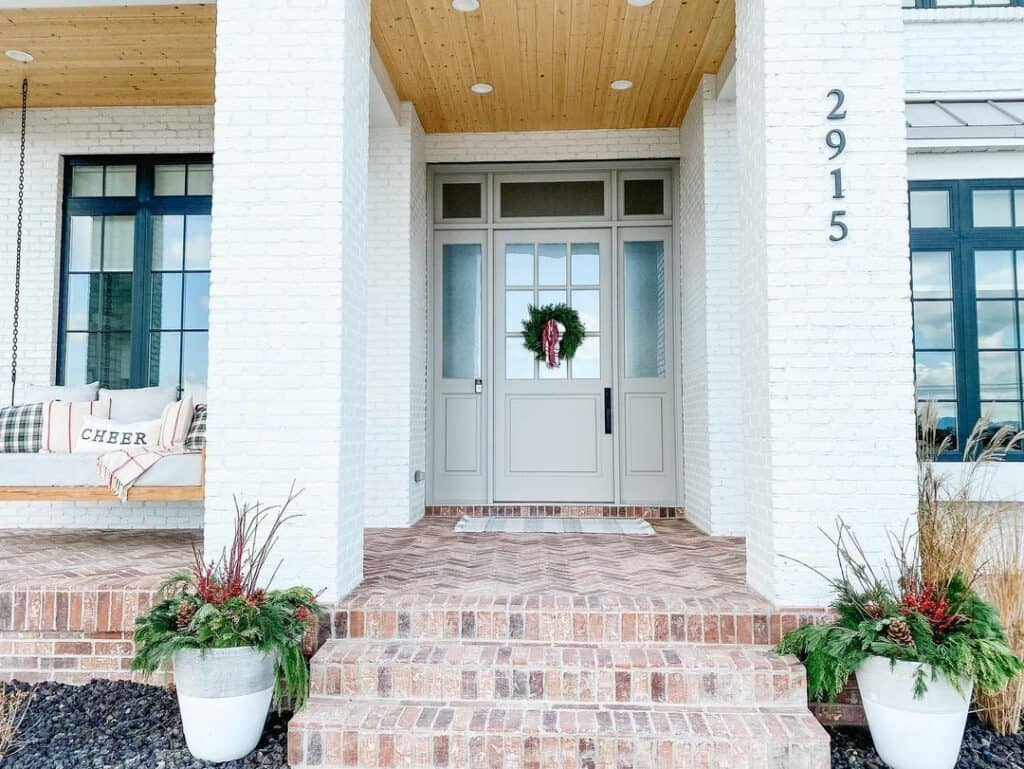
{"points": [[331, 733], [452, 671], [744, 620]]}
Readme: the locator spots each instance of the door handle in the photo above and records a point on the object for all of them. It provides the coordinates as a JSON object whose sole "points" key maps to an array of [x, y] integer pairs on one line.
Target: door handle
{"points": [[607, 411]]}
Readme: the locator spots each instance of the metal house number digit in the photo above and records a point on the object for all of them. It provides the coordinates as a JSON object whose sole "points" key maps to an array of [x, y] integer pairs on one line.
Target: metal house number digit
{"points": [[835, 140]]}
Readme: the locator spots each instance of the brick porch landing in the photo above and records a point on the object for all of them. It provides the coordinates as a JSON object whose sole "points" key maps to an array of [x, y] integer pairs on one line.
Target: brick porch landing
{"points": [[68, 599]]}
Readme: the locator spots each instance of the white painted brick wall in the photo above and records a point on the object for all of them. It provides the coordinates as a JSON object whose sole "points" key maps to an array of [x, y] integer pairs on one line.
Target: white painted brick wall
{"points": [[829, 408], [964, 50], [396, 360], [712, 350], [53, 134], [288, 287], [552, 145]]}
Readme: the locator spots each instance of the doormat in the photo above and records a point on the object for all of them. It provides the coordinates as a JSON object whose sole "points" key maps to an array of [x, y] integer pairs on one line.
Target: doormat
{"points": [[637, 526]]}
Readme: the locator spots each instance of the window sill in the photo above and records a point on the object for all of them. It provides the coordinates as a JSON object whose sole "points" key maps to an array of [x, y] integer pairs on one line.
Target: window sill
{"points": [[941, 15]]}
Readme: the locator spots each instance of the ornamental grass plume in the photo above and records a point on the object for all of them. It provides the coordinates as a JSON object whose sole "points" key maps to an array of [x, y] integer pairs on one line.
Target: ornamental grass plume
{"points": [[1003, 586], [951, 526], [14, 706]]}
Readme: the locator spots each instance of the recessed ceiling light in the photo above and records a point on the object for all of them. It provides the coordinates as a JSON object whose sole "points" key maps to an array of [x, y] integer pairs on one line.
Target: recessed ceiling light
{"points": [[622, 85], [23, 56], [481, 88], [640, 3], [465, 5]]}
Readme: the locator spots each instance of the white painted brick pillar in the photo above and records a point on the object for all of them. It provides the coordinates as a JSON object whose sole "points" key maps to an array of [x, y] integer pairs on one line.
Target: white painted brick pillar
{"points": [[287, 386], [712, 351], [828, 395], [397, 307]]}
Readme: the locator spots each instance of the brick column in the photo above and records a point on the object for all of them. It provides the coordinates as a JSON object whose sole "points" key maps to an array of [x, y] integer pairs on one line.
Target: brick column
{"points": [[828, 365], [287, 386], [396, 431], [712, 350]]}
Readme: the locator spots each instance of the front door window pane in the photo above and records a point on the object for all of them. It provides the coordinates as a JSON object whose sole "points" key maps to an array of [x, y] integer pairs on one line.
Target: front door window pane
{"points": [[586, 264], [644, 308], [588, 305], [551, 264], [517, 304], [519, 264], [519, 361], [461, 312], [586, 364]]}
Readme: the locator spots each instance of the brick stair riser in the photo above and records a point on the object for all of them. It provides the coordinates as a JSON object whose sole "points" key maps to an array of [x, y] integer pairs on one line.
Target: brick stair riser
{"points": [[333, 750], [518, 685], [563, 626], [544, 740]]}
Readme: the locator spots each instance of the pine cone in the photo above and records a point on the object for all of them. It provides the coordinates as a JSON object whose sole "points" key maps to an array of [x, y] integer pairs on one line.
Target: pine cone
{"points": [[873, 610], [899, 633], [186, 612]]}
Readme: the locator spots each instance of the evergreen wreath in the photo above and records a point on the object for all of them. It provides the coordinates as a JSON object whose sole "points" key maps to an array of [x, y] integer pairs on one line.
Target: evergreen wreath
{"points": [[533, 329]]}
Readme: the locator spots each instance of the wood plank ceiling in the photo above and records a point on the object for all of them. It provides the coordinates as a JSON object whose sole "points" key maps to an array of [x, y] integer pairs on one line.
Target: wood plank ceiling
{"points": [[112, 55], [551, 62]]}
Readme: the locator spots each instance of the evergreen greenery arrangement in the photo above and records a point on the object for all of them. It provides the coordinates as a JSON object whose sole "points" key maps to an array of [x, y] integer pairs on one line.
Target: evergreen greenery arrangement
{"points": [[224, 604], [943, 625], [533, 329]]}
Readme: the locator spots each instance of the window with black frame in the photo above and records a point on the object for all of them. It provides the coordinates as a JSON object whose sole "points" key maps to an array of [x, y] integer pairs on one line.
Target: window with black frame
{"points": [[967, 277], [135, 271]]}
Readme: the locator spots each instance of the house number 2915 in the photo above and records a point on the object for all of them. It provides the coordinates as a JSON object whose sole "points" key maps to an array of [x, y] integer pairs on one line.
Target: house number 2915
{"points": [[835, 140]]}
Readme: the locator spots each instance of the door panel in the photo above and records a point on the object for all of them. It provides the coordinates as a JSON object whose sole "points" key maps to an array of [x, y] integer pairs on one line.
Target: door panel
{"points": [[550, 440], [647, 378], [460, 424]]}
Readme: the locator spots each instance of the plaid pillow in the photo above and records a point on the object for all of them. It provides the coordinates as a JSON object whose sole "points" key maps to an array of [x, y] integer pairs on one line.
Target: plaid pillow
{"points": [[196, 438], [21, 429]]}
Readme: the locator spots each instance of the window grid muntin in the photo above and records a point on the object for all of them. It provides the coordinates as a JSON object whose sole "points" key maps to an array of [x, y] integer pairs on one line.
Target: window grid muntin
{"points": [[142, 207], [963, 240], [566, 287]]}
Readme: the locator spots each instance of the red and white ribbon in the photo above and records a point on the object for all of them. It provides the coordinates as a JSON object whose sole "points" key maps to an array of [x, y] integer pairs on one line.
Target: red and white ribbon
{"points": [[550, 341]]}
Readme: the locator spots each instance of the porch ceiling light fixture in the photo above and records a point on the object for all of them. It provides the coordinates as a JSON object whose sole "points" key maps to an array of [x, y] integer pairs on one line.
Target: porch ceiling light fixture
{"points": [[23, 56], [481, 88], [640, 3], [622, 85], [465, 6]]}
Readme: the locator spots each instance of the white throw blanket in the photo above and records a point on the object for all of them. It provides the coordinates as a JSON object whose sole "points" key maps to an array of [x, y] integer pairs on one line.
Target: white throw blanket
{"points": [[121, 468]]}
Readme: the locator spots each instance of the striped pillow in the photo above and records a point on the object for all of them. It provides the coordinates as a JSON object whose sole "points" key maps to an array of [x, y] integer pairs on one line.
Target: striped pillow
{"points": [[62, 421], [175, 423], [21, 429], [196, 439]]}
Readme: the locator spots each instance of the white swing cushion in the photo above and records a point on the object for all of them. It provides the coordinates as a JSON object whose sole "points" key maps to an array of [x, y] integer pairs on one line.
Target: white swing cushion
{"points": [[64, 470]]}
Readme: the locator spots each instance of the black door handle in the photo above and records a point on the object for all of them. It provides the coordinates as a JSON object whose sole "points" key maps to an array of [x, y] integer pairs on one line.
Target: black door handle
{"points": [[607, 411]]}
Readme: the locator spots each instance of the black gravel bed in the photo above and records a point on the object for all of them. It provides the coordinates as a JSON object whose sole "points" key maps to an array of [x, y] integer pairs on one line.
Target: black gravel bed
{"points": [[121, 725], [982, 749]]}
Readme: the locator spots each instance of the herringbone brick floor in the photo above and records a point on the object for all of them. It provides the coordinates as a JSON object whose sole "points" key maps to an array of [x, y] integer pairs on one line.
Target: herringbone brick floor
{"points": [[431, 558]]}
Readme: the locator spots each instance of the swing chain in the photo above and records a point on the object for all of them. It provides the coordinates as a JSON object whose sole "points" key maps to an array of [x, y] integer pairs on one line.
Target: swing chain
{"points": [[17, 252]]}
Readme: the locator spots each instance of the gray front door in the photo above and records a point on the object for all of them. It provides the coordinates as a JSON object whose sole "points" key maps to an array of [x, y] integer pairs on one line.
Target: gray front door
{"points": [[551, 440]]}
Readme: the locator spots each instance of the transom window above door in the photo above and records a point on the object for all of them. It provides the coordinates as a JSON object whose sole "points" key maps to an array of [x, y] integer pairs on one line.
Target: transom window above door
{"points": [[135, 271]]}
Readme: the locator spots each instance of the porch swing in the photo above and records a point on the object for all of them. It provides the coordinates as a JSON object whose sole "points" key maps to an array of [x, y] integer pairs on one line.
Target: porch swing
{"points": [[62, 477]]}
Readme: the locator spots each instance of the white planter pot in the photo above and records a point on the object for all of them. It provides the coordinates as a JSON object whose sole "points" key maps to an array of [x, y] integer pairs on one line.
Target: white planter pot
{"points": [[224, 696], [913, 733]]}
